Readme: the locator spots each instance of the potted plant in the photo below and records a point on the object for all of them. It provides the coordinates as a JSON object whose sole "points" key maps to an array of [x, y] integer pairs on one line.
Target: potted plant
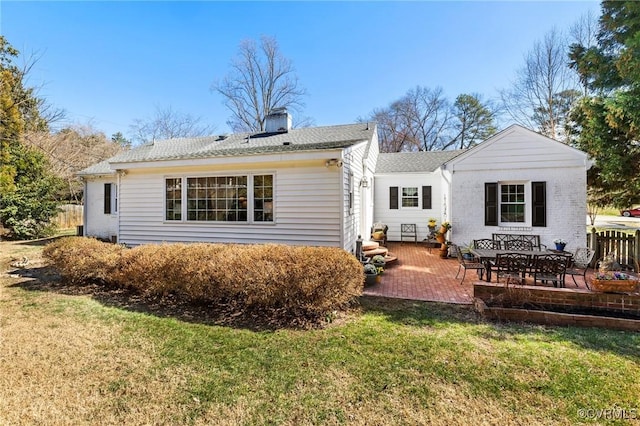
{"points": [[444, 227], [609, 279], [378, 261], [444, 250], [431, 225], [560, 244], [370, 274], [466, 251]]}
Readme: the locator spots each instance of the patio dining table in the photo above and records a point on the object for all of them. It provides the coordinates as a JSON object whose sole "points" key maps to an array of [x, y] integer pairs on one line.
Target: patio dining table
{"points": [[486, 256]]}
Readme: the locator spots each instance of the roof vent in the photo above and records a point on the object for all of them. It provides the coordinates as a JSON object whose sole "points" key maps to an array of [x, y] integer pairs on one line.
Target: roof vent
{"points": [[286, 143], [222, 137], [278, 121]]}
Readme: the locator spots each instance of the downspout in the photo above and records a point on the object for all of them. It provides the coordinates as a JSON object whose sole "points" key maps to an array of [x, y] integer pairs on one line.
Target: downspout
{"points": [[119, 173], [448, 190], [84, 207], [343, 221]]}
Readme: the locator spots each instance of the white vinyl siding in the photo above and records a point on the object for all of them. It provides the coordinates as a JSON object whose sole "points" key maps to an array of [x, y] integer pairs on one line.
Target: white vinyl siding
{"points": [[356, 208], [307, 201]]}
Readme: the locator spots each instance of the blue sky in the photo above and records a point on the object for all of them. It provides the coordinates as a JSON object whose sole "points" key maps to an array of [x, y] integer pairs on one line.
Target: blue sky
{"points": [[109, 63]]}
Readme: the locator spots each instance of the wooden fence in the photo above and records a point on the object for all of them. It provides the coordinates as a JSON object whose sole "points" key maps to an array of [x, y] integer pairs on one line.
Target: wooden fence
{"points": [[626, 246], [70, 216]]}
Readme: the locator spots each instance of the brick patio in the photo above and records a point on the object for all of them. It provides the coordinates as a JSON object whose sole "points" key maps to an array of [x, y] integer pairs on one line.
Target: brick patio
{"points": [[420, 275]]}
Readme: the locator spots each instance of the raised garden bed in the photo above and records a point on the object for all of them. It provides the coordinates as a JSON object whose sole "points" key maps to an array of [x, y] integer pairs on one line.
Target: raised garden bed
{"points": [[558, 306]]}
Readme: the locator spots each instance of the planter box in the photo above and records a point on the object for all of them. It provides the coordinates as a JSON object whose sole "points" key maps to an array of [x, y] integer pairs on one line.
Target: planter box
{"points": [[614, 286]]}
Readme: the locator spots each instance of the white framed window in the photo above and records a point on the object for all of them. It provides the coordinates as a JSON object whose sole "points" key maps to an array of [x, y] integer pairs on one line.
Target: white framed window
{"points": [[513, 202], [228, 198], [410, 197], [173, 199], [263, 198]]}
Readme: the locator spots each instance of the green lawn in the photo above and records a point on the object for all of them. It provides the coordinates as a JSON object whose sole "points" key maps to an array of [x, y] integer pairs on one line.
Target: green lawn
{"points": [[76, 359]]}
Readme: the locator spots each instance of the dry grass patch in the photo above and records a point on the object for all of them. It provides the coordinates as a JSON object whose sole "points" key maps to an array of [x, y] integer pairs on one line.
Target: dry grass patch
{"points": [[61, 366]]}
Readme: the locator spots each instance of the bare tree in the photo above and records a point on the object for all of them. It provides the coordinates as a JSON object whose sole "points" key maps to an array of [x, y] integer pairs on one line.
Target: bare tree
{"points": [[541, 87], [392, 130], [71, 150], [428, 116], [418, 121], [169, 124], [261, 79]]}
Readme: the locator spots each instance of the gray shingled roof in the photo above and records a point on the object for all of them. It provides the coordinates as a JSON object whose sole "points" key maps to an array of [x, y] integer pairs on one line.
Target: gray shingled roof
{"points": [[305, 139], [101, 168], [411, 162]]}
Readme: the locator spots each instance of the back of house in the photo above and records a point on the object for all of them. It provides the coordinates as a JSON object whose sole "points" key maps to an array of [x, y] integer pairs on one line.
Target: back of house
{"points": [[293, 186]]}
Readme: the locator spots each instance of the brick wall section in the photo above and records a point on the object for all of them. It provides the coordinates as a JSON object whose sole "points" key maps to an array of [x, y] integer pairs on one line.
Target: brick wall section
{"points": [[563, 297]]}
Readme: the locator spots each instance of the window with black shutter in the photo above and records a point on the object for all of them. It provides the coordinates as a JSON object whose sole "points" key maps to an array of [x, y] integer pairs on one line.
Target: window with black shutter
{"points": [[107, 198], [426, 197], [491, 204], [538, 203], [393, 197]]}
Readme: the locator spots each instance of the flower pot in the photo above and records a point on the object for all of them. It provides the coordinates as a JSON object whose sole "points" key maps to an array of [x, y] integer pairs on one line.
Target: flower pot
{"points": [[370, 279], [560, 246], [440, 238], [444, 251]]}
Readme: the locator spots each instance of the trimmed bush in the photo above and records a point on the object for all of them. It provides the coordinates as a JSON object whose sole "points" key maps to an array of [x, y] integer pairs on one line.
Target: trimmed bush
{"points": [[307, 281], [81, 259]]}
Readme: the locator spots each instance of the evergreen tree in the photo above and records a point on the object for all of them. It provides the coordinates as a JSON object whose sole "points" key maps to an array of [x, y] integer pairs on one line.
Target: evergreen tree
{"points": [[27, 189], [607, 124]]}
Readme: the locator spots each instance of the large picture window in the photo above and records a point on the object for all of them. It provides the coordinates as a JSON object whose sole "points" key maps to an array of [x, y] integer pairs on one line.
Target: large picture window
{"points": [[512, 203], [410, 197], [220, 198]]}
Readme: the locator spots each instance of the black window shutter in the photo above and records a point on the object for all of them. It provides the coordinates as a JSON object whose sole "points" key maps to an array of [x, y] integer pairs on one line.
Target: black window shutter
{"points": [[393, 197], [491, 204], [538, 203], [426, 197], [107, 198]]}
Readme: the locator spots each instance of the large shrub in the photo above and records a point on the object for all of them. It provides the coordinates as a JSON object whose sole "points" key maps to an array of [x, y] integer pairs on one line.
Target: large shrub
{"points": [[82, 260], [291, 280]]}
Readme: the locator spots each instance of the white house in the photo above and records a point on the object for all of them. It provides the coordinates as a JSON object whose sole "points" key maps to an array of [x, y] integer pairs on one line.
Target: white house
{"points": [[410, 188], [327, 185], [309, 186], [519, 182], [516, 182]]}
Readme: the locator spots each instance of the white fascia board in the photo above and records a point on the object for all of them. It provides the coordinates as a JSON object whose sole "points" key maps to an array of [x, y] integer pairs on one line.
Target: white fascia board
{"points": [[242, 159]]}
